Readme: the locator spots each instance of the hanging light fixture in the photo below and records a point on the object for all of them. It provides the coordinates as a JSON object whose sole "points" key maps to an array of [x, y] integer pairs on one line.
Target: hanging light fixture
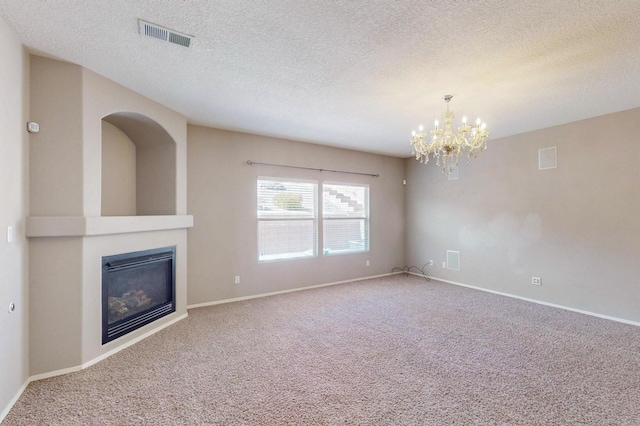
{"points": [[445, 145]]}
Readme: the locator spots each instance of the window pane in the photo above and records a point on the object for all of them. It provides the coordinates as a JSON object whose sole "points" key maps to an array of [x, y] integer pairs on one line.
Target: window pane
{"points": [[345, 212], [287, 218], [344, 201], [281, 199], [286, 239], [345, 236]]}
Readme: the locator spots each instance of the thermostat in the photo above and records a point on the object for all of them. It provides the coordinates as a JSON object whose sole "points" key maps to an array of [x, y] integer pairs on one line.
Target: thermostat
{"points": [[33, 127]]}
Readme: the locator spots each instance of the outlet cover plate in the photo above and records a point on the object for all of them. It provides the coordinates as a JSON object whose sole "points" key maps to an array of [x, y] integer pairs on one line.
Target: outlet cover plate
{"points": [[536, 280]]}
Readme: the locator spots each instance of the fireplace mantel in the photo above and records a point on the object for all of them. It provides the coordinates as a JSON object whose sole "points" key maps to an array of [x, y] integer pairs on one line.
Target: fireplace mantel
{"points": [[80, 226]]}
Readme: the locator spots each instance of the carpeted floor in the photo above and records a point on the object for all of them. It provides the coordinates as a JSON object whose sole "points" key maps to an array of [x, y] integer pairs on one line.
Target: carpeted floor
{"points": [[391, 351]]}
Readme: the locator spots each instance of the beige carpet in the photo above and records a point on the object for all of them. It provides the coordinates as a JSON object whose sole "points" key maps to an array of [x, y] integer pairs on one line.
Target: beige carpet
{"points": [[391, 351]]}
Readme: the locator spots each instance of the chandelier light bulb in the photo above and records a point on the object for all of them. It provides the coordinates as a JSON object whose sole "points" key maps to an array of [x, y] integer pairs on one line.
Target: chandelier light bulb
{"points": [[478, 121], [435, 123], [484, 126], [464, 120], [413, 133], [421, 127]]}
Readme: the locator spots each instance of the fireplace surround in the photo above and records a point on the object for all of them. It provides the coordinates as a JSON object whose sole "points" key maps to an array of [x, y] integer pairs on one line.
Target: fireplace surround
{"points": [[137, 289]]}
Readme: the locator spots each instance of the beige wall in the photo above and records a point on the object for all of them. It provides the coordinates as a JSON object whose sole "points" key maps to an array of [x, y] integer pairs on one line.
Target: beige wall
{"points": [[14, 108], [70, 102], [56, 102], [101, 98], [222, 199], [65, 263], [576, 226], [118, 172], [55, 303]]}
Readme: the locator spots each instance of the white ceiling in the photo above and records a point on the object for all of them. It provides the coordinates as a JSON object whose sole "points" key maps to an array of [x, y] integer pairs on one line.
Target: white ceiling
{"points": [[354, 73]]}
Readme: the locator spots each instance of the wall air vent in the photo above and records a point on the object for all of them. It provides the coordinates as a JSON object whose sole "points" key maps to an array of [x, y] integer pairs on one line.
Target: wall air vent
{"points": [[165, 34], [547, 158]]}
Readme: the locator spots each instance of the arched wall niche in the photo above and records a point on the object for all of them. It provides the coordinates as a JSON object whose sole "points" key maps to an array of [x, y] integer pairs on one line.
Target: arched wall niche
{"points": [[138, 167]]}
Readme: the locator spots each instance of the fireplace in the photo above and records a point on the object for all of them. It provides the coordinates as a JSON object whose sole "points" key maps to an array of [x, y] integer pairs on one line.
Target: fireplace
{"points": [[137, 288]]}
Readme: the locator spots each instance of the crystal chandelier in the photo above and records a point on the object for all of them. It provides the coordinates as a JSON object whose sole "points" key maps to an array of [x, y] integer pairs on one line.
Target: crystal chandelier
{"points": [[445, 145]]}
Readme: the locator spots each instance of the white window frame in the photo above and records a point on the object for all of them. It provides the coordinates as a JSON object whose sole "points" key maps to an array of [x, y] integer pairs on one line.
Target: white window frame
{"points": [[365, 217], [314, 219]]}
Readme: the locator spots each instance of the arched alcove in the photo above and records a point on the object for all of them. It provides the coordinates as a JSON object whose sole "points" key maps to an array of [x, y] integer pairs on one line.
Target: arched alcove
{"points": [[138, 167]]}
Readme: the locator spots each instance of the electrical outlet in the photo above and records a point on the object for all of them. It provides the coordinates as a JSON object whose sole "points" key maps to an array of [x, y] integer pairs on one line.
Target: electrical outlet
{"points": [[430, 262], [237, 279], [9, 234], [367, 262], [444, 264], [536, 280]]}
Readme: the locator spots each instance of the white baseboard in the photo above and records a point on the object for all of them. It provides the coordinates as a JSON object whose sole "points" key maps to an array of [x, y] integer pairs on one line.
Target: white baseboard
{"points": [[9, 406], [273, 293], [107, 354], [539, 302], [73, 369]]}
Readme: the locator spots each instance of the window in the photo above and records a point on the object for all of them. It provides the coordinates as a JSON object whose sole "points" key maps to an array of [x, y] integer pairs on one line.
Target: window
{"points": [[287, 218], [345, 214]]}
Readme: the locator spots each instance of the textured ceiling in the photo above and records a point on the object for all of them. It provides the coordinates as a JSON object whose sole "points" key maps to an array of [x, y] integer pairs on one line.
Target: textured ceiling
{"points": [[356, 74]]}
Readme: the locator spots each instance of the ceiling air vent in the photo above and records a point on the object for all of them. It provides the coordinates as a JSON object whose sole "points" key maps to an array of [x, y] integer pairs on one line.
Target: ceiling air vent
{"points": [[164, 34]]}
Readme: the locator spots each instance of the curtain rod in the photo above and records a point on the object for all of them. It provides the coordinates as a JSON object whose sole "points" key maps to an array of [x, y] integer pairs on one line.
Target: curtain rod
{"points": [[251, 163]]}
